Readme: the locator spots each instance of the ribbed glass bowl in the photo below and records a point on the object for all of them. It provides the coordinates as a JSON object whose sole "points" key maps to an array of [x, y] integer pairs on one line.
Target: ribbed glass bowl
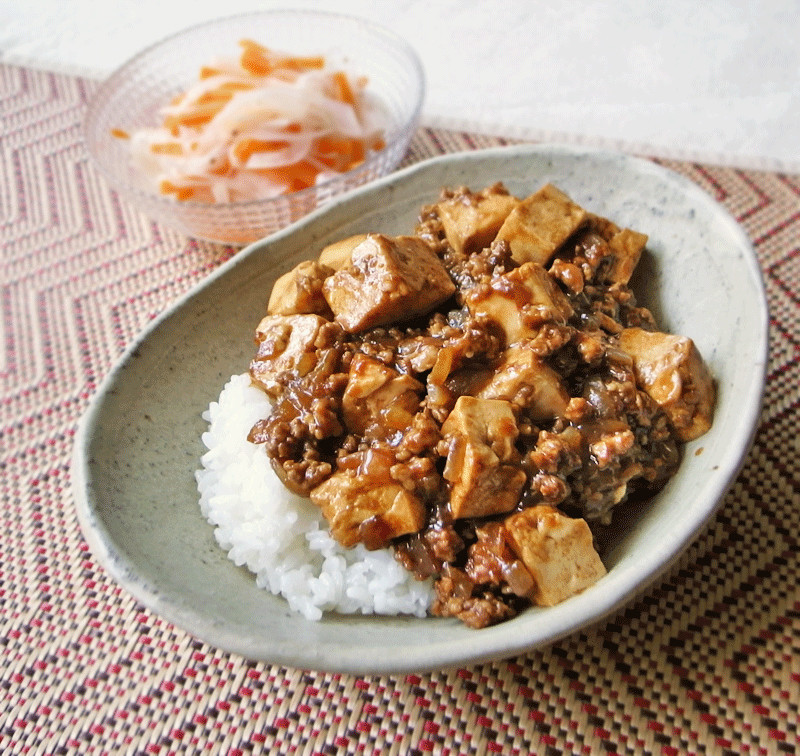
{"points": [[133, 95]]}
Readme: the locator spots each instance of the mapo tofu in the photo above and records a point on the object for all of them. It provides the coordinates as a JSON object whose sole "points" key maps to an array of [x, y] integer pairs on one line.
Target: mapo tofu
{"points": [[478, 395]]}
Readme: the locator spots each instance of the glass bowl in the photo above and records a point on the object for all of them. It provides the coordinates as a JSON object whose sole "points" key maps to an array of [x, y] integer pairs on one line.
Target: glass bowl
{"points": [[133, 95]]}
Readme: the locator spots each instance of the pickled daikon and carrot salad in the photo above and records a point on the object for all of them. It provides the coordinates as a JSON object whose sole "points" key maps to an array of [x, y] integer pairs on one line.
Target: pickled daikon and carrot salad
{"points": [[259, 125]]}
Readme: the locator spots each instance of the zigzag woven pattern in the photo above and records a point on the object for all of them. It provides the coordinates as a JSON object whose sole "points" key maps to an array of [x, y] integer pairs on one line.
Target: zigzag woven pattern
{"points": [[707, 661]]}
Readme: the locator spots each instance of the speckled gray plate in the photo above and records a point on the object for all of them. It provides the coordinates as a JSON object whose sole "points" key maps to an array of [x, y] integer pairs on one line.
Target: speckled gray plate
{"points": [[139, 443]]}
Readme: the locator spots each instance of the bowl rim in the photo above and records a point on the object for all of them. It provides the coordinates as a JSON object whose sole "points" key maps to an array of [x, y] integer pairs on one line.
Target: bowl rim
{"points": [[503, 640], [108, 86]]}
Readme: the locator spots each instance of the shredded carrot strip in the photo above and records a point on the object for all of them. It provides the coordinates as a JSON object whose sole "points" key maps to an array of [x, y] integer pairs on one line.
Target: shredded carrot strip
{"points": [[120, 134], [196, 192], [246, 147], [298, 175], [200, 114], [167, 148], [255, 62], [181, 192], [260, 61], [214, 97], [344, 90], [303, 175], [301, 64], [235, 86], [253, 44], [224, 92], [221, 168], [340, 153]]}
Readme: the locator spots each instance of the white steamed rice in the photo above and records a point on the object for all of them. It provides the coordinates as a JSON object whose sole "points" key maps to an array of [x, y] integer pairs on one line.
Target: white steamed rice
{"points": [[282, 537]]}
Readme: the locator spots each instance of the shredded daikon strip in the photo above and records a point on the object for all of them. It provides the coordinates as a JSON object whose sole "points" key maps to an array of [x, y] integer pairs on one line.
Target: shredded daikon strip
{"points": [[259, 126]]}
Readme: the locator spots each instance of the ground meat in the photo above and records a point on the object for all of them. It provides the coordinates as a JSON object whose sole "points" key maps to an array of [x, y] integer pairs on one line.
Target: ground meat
{"points": [[428, 552], [468, 270], [476, 611]]}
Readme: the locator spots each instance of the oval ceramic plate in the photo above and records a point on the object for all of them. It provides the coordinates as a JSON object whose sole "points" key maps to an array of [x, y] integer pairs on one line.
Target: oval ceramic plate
{"points": [[139, 443]]}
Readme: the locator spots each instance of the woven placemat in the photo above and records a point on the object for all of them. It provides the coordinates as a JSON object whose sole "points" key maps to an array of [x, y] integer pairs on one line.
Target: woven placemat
{"points": [[706, 661]]}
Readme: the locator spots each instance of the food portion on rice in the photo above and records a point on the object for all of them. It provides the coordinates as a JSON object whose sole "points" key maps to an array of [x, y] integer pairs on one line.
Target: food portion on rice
{"points": [[473, 399]]}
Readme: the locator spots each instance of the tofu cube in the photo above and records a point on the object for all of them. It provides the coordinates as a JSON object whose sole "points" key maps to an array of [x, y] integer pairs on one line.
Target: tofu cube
{"points": [[285, 342], [480, 435], [518, 302], [337, 254], [671, 371], [557, 550], [627, 247], [377, 395], [389, 279], [471, 221], [521, 378], [299, 292], [540, 224], [360, 509]]}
